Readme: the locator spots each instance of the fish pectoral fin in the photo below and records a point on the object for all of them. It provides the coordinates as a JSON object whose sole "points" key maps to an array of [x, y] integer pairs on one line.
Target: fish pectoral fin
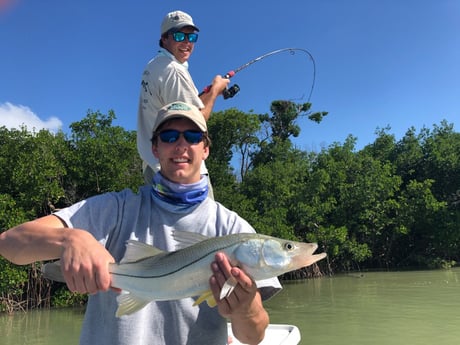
{"points": [[228, 287], [129, 303], [208, 297]]}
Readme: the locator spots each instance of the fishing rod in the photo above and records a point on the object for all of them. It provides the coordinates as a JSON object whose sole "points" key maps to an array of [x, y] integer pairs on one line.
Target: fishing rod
{"points": [[233, 90]]}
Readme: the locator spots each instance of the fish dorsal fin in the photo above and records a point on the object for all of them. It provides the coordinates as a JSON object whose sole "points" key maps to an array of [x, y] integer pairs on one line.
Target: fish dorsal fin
{"points": [[186, 239], [136, 251]]}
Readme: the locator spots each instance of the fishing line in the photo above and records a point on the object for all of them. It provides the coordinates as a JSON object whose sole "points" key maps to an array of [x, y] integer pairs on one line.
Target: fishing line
{"points": [[233, 90]]}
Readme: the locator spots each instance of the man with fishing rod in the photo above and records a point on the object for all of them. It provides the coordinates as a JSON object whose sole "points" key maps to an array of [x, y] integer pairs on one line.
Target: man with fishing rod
{"points": [[92, 234], [166, 79]]}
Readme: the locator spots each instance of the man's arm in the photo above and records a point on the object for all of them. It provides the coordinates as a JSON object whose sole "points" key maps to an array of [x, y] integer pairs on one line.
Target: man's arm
{"points": [[244, 306], [37, 240], [84, 260], [209, 98]]}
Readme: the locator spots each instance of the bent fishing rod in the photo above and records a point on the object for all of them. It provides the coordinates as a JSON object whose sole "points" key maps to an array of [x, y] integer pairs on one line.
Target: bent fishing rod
{"points": [[233, 90]]}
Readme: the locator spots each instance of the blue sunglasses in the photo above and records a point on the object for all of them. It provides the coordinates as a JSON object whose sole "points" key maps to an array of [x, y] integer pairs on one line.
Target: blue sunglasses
{"points": [[179, 36], [172, 135]]}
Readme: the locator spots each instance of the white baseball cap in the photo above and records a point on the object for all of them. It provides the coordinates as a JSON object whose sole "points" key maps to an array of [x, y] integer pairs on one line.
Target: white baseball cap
{"points": [[177, 20], [181, 110]]}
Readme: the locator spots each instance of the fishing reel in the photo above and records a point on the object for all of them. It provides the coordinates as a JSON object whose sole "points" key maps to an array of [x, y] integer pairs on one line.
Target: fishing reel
{"points": [[231, 91]]}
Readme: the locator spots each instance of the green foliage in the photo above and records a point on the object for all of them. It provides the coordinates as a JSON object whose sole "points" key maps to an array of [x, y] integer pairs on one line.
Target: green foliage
{"points": [[232, 132], [33, 169], [388, 205], [441, 149], [282, 121], [272, 189], [104, 157], [392, 204], [10, 213], [62, 297], [41, 172], [13, 279]]}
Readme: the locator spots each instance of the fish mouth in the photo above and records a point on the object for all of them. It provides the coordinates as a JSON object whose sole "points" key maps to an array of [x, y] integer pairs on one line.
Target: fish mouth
{"points": [[310, 248], [306, 249], [305, 256]]}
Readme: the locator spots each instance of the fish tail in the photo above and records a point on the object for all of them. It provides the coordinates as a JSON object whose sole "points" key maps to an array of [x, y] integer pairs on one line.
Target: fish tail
{"points": [[52, 271]]}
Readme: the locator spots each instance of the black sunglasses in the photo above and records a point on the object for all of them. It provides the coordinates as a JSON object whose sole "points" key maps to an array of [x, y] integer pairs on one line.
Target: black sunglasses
{"points": [[179, 36], [172, 135]]}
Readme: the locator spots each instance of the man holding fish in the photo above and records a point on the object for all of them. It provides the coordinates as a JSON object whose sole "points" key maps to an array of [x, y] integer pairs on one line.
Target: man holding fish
{"points": [[163, 247]]}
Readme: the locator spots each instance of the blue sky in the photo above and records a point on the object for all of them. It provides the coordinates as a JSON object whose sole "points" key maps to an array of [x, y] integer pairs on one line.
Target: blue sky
{"points": [[378, 63]]}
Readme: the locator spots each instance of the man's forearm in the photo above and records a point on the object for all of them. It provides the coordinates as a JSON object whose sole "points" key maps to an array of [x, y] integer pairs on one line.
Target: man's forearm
{"points": [[33, 241], [208, 99], [250, 328]]}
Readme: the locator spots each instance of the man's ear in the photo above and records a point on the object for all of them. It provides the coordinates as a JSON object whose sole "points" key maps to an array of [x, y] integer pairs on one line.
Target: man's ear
{"points": [[205, 152], [155, 151]]}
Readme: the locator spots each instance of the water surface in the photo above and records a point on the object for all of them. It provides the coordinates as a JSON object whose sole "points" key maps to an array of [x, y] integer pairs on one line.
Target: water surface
{"points": [[379, 308], [397, 308]]}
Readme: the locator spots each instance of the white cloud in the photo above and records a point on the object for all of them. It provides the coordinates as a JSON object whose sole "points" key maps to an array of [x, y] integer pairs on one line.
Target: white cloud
{"points": [[17, 116]]}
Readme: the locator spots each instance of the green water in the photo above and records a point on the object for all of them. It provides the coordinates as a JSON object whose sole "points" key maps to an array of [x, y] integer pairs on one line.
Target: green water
{"points": [[419, 307], [381, 308]]}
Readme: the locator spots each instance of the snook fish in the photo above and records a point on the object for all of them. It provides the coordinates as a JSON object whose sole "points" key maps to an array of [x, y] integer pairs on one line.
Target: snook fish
{"points": [[147, 273]]}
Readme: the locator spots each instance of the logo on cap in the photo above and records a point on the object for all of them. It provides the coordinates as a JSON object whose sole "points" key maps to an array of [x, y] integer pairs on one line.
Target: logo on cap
{"points": [[178, 16], [179, 106]]}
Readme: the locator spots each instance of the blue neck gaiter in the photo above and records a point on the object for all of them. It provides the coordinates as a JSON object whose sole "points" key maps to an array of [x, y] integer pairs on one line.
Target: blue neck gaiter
{"points": [[179, 194]]}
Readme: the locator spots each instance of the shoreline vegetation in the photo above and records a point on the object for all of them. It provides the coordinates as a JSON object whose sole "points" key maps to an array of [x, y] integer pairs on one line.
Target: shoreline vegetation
{"points": [[392, 205]]}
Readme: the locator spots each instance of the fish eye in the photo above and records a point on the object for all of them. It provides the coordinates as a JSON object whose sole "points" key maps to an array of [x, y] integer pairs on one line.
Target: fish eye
{"points": [[289, 246]]}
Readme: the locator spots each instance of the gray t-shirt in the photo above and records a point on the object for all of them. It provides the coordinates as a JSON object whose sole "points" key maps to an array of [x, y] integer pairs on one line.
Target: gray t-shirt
{"points": [[114, 218]]}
